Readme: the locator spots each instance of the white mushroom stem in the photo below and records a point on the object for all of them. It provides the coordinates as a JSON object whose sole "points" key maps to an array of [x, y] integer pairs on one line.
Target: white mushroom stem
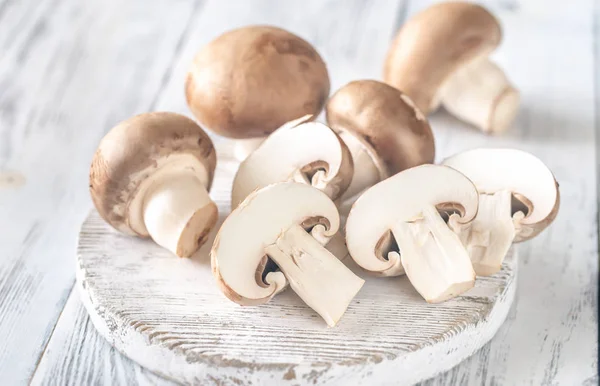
{"points": [[243, 147], [178, 213], [318, 277], [481, 94], [491, 234], [433, 257], [366, 172]]}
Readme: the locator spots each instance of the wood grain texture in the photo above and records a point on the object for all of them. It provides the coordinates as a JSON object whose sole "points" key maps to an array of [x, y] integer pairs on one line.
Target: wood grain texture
{"points": [[169, 315], [69, 70], [98, 364]]}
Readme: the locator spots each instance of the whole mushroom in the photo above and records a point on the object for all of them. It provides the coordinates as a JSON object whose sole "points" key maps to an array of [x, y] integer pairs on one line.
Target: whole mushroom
{"points": [[440, 56], [150, 177], [518, 199], [289, 223], [385, 132], [249, 81]]}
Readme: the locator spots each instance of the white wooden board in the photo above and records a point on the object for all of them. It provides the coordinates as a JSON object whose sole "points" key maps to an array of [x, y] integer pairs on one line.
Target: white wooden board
{"points": [[69, 70], [167, 314]]}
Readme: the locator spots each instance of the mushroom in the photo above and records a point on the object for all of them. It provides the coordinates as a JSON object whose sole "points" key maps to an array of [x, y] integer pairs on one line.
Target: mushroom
{"points": [[249, 81], [518, 198], [395, 227], [289, 223], [301, 151], [150, 177], [383, 129], [440, 56]]}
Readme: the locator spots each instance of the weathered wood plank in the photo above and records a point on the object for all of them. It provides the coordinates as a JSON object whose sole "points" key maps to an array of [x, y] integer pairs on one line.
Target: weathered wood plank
{"points": [[78, 355], [69, 70]]}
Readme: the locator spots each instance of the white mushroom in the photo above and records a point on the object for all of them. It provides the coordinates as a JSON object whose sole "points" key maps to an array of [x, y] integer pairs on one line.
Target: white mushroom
{"points": [[289, 223], [395, 227], [306, 152], [518, 198]]}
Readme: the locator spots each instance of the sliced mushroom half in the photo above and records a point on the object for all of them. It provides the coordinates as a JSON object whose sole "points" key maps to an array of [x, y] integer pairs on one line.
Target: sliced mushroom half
{"points": [[518, 198], [289, 223], [396, 227], [305, 152]]}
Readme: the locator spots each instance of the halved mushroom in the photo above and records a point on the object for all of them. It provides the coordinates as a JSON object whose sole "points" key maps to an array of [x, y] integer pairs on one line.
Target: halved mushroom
{"points": [[150, 177], [383, 129], [249, 81], [306, 152], [396, 227], [441, 56], [518, 198], [289, 223]]}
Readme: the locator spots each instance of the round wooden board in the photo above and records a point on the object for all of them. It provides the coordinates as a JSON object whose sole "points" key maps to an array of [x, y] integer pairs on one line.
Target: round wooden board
{"points": [[167, 314]]}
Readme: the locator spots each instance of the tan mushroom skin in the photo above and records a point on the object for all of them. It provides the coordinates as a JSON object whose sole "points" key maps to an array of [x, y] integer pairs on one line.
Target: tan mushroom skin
{"points": [[290, 223], [395, 227], [150, 177], [249, 81], [518, 198], [305, 152], [385, 132], [440, 56]]}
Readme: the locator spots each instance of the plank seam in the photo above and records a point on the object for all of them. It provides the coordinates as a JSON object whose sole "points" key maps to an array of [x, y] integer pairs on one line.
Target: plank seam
{"points": [[198, 5], [41, 356]]}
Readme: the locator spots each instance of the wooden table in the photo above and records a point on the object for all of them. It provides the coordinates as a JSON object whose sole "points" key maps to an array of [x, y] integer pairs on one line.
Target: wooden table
{"points": [[70, 70]]}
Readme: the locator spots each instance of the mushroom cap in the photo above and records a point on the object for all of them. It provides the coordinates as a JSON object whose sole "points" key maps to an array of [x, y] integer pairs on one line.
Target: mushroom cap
{"points": [[238, 253], [403, 197], [305, 148], [133, 151], [520, 172], [249, 81], [436, 42], [386, 119]]}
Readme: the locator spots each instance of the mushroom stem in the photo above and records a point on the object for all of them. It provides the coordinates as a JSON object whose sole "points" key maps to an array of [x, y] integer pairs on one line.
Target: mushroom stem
{"points": [[435, 261], [244, 147], [366, 172], [179, 214], [481, 94], [491, 234], [322, 281]]}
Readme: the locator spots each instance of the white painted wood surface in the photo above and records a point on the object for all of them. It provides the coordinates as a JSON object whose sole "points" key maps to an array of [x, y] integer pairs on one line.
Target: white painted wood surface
{"points": [[69, 70], [169, 315]]}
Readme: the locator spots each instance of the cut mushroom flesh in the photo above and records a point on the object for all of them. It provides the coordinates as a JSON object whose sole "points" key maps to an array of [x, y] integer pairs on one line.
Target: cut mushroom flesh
{"points": [[518, 198], [273, 222], [309, 153], [406, 204]]}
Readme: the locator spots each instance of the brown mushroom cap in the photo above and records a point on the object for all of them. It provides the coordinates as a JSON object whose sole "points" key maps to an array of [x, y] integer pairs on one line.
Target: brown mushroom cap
{"points": [[386, 119], [249, 81], [435, 43], [135, 149]]}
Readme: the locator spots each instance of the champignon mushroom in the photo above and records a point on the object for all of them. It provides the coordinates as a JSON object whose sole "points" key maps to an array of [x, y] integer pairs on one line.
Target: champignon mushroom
{"points": [[150, 176], [306, 152], [395, 227], [249, 81], [383, 129], [441, 56], [288, 222], [518, 198]]}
